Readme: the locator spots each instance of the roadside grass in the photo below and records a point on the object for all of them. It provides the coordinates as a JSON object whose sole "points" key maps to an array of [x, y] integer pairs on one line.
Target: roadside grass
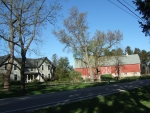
{"points": [[36, 88], [132, 101], [31, 89]]}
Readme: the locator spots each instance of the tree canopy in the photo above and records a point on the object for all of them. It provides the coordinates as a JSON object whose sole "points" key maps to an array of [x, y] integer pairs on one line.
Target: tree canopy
{"points": [[20, 25], [76, 38], [75, 35], [63, 69], [143, 6], [128, 50]]}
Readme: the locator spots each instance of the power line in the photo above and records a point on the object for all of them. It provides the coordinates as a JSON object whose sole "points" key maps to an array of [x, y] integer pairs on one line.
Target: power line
{"points": [[130, 10], [129, 4], [123, 9]]}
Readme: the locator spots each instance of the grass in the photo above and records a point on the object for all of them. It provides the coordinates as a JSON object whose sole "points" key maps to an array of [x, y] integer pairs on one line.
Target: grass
{"points": [[33, 89], [132, 101]]}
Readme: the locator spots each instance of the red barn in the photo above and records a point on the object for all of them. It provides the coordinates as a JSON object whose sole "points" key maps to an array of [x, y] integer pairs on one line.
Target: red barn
{"points": [[126, 65]]}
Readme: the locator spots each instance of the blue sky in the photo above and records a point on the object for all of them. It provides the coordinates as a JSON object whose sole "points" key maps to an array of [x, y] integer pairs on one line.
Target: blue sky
{"points": [[102, 15]]}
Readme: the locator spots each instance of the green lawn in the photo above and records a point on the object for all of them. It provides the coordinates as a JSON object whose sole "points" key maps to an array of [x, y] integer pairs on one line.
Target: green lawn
{"points": [[132, 101], [32, 88]]}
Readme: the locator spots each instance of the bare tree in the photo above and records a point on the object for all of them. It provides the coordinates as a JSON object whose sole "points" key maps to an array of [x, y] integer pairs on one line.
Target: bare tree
{"points": [[100, 43], [7, 32], [118, 57], [25, 19], [75, 36]]}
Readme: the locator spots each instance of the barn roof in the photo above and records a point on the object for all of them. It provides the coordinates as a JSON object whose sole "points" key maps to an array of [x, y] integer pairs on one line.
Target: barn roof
{"points": [[110, 61]]}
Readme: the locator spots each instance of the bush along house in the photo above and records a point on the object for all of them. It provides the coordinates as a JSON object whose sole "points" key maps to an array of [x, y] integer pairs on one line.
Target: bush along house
{"points": [[122, 66], [40, 69]]}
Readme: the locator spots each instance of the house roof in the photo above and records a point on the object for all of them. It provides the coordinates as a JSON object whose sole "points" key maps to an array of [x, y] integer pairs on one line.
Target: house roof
{"points": [[3, 59], [110, 61], [30, 63], [34, 63]]}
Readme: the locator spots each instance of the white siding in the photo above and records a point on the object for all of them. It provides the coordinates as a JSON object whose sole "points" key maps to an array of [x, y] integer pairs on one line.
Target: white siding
{"points": [[46, 72]]}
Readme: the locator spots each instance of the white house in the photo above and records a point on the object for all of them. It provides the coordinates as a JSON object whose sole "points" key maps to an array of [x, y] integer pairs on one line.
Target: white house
{"points": [[40, 69]]}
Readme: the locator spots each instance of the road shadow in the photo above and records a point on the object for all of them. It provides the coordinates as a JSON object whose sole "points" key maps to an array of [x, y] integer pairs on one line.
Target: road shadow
{"points": [[132, 101]]}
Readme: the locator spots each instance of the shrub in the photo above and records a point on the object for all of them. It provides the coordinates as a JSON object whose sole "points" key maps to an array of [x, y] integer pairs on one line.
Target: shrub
{"points": [[15, 82], [35, 83], [75, 76], [144, 77], [106, 77]]}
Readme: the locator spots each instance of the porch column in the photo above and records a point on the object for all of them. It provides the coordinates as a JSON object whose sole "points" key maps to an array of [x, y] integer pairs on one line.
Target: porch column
{"points": [[27, 78], [33, 77]]}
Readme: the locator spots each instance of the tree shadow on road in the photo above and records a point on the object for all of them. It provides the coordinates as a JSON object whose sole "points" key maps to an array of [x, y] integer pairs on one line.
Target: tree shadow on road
{"points": [[132, 101]]}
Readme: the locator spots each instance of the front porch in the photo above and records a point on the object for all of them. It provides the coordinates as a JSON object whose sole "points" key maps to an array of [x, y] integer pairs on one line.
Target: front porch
{"points": [[29, 77]]}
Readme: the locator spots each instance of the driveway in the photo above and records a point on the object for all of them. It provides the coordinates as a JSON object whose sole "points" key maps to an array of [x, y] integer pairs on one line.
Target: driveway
{"points": [[22, 104]]}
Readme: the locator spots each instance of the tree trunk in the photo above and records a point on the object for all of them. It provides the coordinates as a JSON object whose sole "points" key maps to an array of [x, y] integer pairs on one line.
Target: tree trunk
{"points": [[23, 54], [118, 72], [90, 67], [7, 78], [98, 73], [9, 68], [91, 73], [11, 47]]}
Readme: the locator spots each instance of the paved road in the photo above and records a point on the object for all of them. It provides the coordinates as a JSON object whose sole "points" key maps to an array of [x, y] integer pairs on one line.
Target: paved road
{"points": [[22, 104]]}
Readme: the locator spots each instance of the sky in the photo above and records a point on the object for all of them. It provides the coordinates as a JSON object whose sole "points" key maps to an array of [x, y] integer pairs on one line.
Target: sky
{"points": [[101, 15]]}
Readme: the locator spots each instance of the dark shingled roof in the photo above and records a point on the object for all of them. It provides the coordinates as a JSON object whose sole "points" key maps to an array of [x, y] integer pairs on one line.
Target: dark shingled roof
{"points": [[3, 59], [30, 63], [33, 63]]}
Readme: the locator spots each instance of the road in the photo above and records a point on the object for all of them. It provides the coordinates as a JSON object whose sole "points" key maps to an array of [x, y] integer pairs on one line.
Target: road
{"points": [[26, 103]]}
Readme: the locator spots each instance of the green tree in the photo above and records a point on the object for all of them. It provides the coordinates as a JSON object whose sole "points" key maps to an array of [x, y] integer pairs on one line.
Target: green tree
{"points": [[63, 69], [144, 60], [128, 50], [55, 63], [148, 56], [117, 52], [102, 43], [55, 60], [75, 36], [143, 7], [143, 57], [137, 51], [107, 52], [74, 76]]}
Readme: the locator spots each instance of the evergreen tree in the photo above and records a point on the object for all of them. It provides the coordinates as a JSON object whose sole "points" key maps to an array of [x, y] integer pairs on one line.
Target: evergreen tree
{"points": [[63, 69], [143, 6], [128, 50]]}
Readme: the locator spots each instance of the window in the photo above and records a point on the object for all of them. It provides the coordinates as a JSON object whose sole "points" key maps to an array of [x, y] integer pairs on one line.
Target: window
{"points": [[42, 67], [5, 66], [135, 72], [125, 73], [15, 66], [42, 75], [31, 69], [49, 76], [48, 67], [15, 77]]}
